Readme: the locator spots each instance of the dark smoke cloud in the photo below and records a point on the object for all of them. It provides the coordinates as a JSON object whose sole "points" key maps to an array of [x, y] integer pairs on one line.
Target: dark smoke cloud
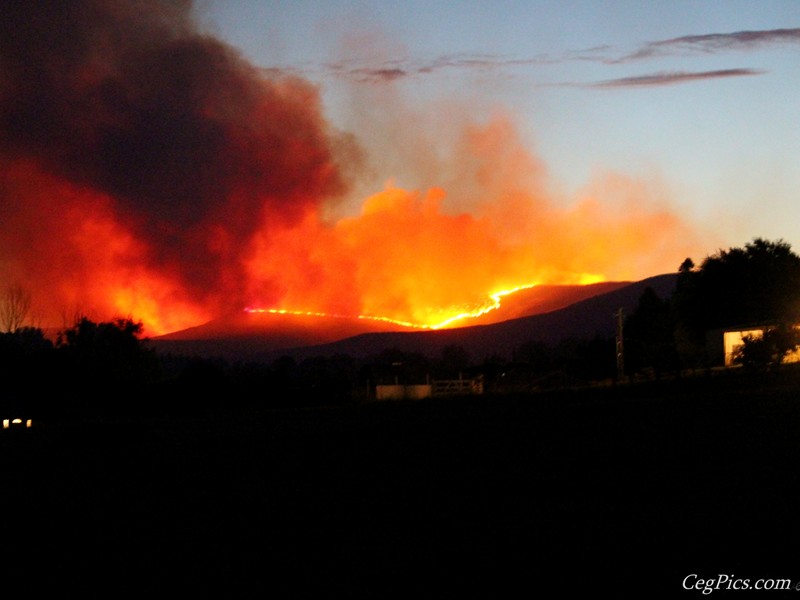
{"points": [[673, 77], [132, 100]]}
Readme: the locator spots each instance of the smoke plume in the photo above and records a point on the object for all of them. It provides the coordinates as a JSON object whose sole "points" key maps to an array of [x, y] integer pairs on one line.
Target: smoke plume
{"points": [[148, 170], [134, 146]]}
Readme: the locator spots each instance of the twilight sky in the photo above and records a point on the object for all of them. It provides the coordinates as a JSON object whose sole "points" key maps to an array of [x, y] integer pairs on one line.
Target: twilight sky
{"points": [[700, 96]]}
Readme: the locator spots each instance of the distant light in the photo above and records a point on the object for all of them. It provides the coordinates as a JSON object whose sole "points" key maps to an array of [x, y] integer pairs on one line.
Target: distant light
{"points": [[7, 423]]}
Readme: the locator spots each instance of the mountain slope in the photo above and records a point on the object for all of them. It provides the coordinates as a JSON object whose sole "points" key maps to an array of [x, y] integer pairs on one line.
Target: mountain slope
{"points": [[594, 316], [580, 312], [245, 336]]}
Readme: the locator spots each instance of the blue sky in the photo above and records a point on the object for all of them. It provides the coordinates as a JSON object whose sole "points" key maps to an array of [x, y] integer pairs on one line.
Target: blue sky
{"points": [[701, 97]]}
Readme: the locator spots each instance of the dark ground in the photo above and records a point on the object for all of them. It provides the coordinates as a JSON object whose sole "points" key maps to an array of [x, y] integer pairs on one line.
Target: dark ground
{"points": [[620, 490]]}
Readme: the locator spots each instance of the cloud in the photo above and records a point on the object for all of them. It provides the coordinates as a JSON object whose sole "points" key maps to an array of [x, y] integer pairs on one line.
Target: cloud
{"points": [[672, 77], [393, 70], [397, 69], [714, 42], [379, 75]]}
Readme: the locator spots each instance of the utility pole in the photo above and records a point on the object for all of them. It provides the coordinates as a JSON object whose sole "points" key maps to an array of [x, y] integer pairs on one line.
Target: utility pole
{"points": [[620, 348]]}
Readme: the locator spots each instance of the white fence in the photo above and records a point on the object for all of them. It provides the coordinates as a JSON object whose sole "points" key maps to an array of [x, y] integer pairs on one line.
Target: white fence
{"points": [[443, 387], [454, 387]]}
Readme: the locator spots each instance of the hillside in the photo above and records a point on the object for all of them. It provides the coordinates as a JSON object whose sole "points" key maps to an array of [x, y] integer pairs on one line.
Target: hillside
{"points": [[551, 314], [582, 320]]}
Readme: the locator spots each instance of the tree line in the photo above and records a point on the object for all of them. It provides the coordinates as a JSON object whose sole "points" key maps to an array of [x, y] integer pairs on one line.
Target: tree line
{"points": [[756, 286], [109, 368]]}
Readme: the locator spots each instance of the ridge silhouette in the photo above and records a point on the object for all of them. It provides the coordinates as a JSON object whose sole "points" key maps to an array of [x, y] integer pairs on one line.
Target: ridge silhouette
{"points": [[547, 313]]}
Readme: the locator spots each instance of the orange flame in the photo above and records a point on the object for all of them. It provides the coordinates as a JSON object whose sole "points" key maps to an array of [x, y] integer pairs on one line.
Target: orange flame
{"points": [[408, 258], [494, 304], [71, 251]]}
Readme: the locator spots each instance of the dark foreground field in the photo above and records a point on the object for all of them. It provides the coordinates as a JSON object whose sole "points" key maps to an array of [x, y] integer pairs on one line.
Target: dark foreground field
{"points": [[620, 490]]}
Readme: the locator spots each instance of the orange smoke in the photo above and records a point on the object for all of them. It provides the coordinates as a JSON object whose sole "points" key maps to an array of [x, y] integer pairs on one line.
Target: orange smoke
{"points": [[64, 244], [406, 258], [138, 157]]}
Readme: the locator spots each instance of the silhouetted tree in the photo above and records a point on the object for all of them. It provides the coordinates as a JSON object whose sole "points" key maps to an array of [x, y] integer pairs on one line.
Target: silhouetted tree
{"points": [[598, 360], [532, 362], [25, 342], [649, 335], [107, 356], [492, 369], [26, 360], [454, 361], [756, 284], [284, 374], [394, 364], [325, 379], [768, 350], [15, 307], [536, 354], [580, 361], [203, 377]]}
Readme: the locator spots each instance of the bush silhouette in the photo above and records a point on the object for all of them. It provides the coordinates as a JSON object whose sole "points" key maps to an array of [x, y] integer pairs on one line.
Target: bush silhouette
{"points": [[107, 358]]}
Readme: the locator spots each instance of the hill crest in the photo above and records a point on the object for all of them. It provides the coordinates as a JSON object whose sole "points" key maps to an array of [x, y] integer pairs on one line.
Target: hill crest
{"points": [[545, 313]]}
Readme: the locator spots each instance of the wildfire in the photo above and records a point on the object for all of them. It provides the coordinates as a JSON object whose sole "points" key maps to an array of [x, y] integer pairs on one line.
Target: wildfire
{"points": [[306, 313], [160, 176], [406, 261], [494, 302]]}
